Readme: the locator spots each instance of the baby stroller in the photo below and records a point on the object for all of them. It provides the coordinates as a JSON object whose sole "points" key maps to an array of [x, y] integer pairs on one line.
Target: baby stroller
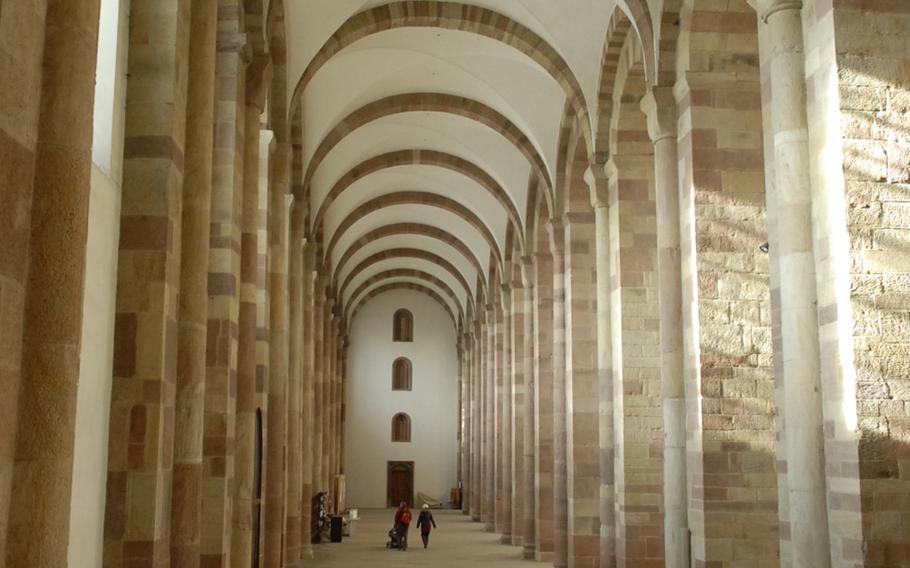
{"points": [[394, 539]]}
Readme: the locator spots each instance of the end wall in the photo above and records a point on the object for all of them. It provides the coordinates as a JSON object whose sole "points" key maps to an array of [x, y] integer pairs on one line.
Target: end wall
{"points": [[371, 403]]}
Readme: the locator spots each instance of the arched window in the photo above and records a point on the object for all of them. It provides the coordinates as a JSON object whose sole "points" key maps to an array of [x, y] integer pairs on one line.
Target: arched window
{"points": [[403, 326], [401, 427], [401, 374]]}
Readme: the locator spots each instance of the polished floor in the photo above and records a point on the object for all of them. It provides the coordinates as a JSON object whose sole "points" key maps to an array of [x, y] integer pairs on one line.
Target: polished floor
{"points": [[456, 543]]}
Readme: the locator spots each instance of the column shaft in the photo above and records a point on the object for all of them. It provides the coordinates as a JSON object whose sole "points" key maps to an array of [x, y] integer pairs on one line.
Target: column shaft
{"points": [[505, 431], [39, 508], [307, 408], [245, 436], [489, 447], [795, 262], [560, 470], [528, 413], [476, 424]]}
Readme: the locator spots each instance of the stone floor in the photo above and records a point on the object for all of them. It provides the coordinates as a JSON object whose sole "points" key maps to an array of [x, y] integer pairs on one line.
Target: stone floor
{"points": [[456, 543]]}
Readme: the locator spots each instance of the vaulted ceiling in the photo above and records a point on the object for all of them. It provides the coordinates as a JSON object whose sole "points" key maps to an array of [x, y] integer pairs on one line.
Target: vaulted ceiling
{"points": [[426, 123]]}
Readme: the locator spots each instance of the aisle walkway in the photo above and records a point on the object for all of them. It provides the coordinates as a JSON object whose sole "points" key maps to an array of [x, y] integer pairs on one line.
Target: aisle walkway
{"points": [[457, 543]]}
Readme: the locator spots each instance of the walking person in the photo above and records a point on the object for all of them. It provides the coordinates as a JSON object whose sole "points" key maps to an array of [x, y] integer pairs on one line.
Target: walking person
{"points": [[402, 522], [423, 523]]}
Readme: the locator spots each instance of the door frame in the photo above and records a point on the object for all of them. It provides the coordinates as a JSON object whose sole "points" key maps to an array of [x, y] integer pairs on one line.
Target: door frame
{"points": [[396, 465]]}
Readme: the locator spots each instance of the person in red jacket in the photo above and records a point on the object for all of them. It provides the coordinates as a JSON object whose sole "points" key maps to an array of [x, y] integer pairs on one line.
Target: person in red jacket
{"points": [[402, 522]]}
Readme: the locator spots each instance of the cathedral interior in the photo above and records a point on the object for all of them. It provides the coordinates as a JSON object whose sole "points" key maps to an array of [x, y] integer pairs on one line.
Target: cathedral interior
{"points": [[631, 276]]}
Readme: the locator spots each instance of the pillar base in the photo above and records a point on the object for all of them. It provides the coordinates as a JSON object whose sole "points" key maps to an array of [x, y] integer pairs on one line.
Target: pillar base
{"points": [[489, 527], [528, 553], [517, 540], [307, 554], [475, 517], [505, 538]]}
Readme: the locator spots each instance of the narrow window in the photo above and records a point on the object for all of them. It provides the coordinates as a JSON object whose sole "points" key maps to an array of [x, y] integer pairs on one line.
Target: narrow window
{"points": [[403, 326], [401, 427], [401, 374]]}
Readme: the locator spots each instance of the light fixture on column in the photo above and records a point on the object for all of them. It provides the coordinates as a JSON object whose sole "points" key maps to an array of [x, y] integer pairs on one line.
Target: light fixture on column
{"points": [[764, 247]]}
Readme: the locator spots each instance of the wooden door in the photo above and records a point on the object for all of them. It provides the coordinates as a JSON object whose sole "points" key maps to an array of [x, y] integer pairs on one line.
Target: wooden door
{"points": [[400, 483]]}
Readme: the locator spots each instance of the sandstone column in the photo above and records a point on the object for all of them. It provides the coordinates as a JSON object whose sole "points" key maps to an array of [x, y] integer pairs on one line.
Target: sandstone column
{"points": [[489, 378], [278, 358], [140, 448], [307, 408], [599, 201], [560, 471], [39, 508], [505, 432], [318, 363], [660, 108], [245, 436], [496, 356], [795, 262], [528, 412], [465, 378], [517, 401], [295, 383], [186, 497], [476, 419], [543, 400]]}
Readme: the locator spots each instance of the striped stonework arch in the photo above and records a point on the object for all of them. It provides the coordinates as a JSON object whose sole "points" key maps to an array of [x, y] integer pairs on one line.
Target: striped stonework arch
{"points": [[416, 229], [414, 198], [355, 307], [617, 31], [430, 102], [420, 158], [457, 17], [402, 273], [405, 253]]}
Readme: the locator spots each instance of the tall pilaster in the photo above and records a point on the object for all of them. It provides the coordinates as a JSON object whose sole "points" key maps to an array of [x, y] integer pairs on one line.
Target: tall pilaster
{"points": [[307, 407], [599, 201], [51, 340], [498, 422], [488, 364], [140, 447], [476, 420], [186, 496], [556, 230], [245, 438], [505, 431], [543, 400], [794, 260], [528, 413], [295, 384], [318, 363], [660, 107], [276, 485]]}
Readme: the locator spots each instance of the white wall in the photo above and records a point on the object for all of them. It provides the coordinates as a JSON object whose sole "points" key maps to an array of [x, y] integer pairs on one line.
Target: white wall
{"points": [[371, 403], [93, 404]]}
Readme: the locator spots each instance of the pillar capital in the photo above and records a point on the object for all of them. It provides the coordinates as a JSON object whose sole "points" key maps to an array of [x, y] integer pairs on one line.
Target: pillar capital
{"points": [[527, 272], [505, 296], [767, 8], [659, 105], [597, 185], [258, 78]]}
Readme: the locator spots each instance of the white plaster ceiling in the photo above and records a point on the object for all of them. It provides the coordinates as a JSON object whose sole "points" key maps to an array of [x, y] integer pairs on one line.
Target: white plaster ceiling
{"points": [[451, 62], [418, 242]]}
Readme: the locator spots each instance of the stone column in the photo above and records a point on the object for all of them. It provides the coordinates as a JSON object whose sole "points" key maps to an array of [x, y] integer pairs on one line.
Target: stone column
{"points": [[223, 285], [600, 203], [496, 355], [505, 431], [659, 106], [318, 362], [327, 365], [140, 447], [517, 401], [560, 471], [543, 400], [476, 420], [795, 262], [42, 474], [307, 407], [465, 379], [295, 383], [263, 329], [186, 496], [488, 364], [245, 436], [528, 413], [278, 358]]}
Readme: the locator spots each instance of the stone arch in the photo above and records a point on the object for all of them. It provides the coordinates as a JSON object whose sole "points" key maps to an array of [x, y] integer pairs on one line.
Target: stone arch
{"points": [[420, 157], [401, 286], [617, 30], [458, 17], [405, 253], [406, 273], [415, 198], [410, 229], [430, 102]]}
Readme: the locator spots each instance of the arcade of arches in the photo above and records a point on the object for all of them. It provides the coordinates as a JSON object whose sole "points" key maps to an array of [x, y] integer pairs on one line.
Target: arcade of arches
{"points": [[672, 236]]}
